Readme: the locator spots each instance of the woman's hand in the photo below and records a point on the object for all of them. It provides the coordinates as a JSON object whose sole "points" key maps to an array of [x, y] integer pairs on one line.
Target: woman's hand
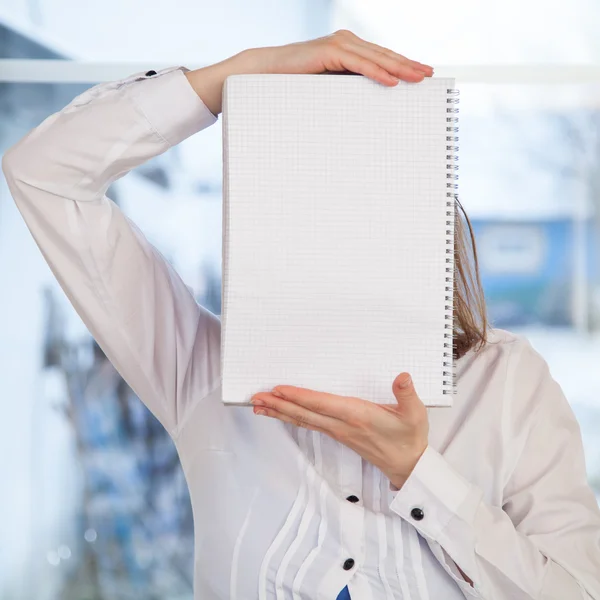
{"points": [[390, 436], [340, 51]]}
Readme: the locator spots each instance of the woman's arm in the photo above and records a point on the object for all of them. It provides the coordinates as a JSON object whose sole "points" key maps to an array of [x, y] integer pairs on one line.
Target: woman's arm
{"points": [[544, 542], [132, 301]]}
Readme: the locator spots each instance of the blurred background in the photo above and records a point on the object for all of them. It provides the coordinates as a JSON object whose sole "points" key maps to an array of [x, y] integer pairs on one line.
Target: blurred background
{"points": [[94, 504]]}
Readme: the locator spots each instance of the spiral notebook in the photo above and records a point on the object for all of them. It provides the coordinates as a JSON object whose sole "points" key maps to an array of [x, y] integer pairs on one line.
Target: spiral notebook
{"points": [[338, 235]]}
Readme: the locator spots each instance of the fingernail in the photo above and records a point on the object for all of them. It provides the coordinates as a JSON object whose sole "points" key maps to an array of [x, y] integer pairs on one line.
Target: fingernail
{"points": [[426, 69], [260, 411], [257, 402], [405, 381]]}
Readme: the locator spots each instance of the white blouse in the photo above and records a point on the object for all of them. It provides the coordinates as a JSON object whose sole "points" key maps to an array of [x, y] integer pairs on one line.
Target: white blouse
{"points": [[278, 510]]}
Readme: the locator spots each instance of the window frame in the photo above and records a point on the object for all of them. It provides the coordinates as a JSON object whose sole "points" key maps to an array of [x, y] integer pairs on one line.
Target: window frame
{"points": [[82, 71]]}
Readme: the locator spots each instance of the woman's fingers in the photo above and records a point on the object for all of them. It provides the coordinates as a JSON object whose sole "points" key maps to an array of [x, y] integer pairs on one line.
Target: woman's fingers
{"points": [[395, 60], [367, 66], [427, 69], [298, 420], [381, 64], [323, 403], [394, 66], [291, 412]]}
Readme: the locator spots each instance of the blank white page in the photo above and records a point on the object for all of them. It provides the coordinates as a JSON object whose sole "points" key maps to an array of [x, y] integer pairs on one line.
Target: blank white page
{"points": [[337, 236]]}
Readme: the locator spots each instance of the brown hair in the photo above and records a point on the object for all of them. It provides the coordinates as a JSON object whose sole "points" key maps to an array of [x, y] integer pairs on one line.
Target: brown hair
{"points": [[470, 316]]}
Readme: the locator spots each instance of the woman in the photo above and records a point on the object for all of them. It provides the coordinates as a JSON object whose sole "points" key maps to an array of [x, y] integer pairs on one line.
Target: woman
{"points": [[328, 495]]}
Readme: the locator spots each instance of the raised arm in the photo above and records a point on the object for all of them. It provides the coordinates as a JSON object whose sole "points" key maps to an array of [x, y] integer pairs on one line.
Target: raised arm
{"points": [[138, 309]]}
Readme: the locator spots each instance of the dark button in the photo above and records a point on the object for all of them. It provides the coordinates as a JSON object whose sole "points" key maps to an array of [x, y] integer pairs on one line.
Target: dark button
{"points": [[417, 514], [149, 73], [348, 564], [352, 499]]}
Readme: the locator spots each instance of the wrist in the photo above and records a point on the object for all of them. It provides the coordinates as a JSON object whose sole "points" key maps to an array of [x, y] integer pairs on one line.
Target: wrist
{"points": [[410, 460], [208, 81]]}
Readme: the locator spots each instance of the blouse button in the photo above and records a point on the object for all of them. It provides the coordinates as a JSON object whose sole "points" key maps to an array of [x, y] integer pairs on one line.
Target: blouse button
{"points": [[348, 564], [417, 514], [352, 499]]}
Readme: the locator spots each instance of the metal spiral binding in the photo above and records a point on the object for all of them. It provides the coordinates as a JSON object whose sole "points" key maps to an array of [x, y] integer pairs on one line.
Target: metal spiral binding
{"points": [[449, 372]]}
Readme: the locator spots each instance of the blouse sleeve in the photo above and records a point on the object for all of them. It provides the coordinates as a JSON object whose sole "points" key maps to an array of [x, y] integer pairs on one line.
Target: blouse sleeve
{"points": [[544, 542], [136, 306]]}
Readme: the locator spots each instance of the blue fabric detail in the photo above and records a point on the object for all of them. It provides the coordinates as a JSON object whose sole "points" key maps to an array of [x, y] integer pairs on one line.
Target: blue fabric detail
{"points": [[344, 594]]}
